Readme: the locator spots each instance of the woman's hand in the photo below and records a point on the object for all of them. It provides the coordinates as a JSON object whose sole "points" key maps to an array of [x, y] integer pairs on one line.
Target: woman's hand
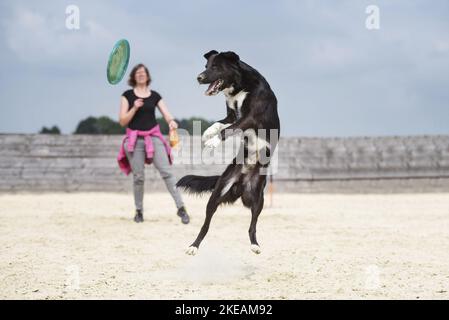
{"points": [[172, 124], [138, 103]]}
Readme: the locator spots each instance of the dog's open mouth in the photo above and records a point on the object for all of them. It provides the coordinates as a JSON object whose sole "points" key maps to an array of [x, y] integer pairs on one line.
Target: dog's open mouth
{"points": [[214, 87]]}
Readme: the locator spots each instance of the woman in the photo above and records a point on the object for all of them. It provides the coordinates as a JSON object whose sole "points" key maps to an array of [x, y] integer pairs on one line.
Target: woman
{"points": [[137, 113]]}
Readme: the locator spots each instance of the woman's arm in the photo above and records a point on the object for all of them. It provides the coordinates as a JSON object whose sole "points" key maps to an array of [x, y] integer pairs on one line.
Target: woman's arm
{"points": [[166, 114], [126, 115]]}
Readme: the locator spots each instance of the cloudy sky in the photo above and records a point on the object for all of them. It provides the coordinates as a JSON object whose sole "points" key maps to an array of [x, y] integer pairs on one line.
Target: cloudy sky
{"points": [[332, 75]]}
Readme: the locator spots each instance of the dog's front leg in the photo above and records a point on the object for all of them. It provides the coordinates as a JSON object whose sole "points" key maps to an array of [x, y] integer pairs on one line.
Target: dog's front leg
{"points": [[212, 134], [239, 126], [214, 130], [227, 131]]}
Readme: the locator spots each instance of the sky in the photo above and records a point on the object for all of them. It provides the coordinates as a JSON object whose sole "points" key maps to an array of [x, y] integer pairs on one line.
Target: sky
{"points": [[331, 74]]}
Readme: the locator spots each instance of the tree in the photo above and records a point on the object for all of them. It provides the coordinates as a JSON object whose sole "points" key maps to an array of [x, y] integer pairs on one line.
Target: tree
{"points": [[105, 125], [52, 130], [186, 124], [101, 125]]}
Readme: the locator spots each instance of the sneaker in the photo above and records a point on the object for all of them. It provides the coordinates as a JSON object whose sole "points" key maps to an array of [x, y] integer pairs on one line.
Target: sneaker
{"points": [[183, 214], [139, 216]]}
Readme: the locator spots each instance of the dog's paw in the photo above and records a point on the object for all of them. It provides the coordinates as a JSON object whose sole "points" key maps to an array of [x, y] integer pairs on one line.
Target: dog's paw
{"points": [[211, 131], [191, 250], [213, 142], [255, 248]]}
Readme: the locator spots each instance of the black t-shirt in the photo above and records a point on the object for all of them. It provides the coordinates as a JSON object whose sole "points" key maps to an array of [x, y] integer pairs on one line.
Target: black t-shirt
{"points": [[145, 118]]}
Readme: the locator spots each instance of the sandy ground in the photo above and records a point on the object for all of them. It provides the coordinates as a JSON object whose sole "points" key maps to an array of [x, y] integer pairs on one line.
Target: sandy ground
{"points": [[85, 245]]}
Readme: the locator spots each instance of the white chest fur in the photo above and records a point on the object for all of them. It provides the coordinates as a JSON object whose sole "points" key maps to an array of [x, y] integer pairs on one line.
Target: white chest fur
{"points": [[235, 102]]}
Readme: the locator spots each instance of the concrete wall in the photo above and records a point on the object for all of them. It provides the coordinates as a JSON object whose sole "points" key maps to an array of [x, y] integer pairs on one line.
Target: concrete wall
{"points": [[36, 162]]}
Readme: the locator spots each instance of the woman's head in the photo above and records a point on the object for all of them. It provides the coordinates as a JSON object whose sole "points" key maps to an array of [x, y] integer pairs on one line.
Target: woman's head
{"points": [[139, 76]]}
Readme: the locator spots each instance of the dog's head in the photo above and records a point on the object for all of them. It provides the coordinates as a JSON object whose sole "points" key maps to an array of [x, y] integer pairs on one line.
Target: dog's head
{"points": [[221, 71]]}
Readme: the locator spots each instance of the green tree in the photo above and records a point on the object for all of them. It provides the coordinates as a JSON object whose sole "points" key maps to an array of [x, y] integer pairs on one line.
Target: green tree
{"points": [[186, 124], [163, 125], [105, 125], [52, 130], [109, 126], [101, 125]]}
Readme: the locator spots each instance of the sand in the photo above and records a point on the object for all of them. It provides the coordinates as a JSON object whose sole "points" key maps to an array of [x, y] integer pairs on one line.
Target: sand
{"points": [[86, 246]]}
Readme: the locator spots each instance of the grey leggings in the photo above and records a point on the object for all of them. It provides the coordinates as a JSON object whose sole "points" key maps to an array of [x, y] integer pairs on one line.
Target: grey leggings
{"points": [[160, 161]]}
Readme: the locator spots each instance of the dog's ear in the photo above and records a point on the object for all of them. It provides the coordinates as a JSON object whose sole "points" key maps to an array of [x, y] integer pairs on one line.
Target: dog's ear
{"points": [[231, 56], [212, 52]]}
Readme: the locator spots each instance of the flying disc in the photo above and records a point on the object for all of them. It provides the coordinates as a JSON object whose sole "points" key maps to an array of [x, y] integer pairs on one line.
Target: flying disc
{"points": [[118, 61]]}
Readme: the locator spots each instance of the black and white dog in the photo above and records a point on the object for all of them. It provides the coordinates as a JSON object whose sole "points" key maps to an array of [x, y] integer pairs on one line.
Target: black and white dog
{"points": [[251, 110]]}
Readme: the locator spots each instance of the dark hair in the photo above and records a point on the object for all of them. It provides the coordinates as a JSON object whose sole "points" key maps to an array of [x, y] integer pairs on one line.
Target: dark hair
{"points": [[132, 75]]}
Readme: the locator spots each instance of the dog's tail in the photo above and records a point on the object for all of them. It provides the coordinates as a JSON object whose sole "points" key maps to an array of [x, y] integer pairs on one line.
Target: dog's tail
{"points": [[197, 184]]}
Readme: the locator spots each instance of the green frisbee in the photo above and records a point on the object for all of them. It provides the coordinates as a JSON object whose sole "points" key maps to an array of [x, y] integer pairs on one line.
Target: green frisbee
{"points": [[118, 61]]}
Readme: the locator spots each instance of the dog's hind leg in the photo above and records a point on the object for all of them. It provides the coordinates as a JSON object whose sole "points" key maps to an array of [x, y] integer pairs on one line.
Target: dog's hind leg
{"points": [[212, 206], [217, 197], [256, 208]]}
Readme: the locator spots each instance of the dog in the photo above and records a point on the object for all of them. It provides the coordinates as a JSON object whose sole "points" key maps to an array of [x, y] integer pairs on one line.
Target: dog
{"points": [[251, 110]]}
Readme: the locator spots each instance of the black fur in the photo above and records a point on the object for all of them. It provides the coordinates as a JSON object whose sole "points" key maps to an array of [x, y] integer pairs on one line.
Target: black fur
{"points": [[226, 72]]}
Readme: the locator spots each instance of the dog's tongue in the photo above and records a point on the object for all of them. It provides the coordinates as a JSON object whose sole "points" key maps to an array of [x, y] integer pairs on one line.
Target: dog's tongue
{"points": [[211, 87]]}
